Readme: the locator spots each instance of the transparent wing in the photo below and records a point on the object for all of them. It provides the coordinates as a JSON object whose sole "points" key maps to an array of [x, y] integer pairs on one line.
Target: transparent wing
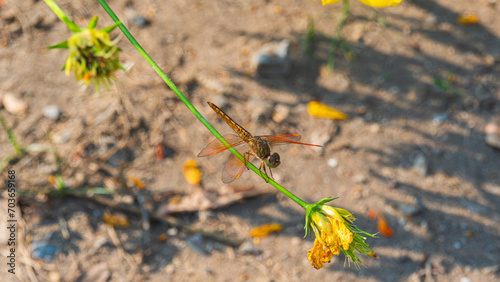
{"points": [[234, 167], [215, 146], [285, 139]]}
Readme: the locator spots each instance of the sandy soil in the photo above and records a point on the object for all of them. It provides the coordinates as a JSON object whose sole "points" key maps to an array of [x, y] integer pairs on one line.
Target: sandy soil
{"points": [[411, 150]]}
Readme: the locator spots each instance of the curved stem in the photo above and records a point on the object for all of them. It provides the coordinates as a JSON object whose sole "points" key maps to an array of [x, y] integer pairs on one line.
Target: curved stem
{"points": [[188, 104], [71, 25]]}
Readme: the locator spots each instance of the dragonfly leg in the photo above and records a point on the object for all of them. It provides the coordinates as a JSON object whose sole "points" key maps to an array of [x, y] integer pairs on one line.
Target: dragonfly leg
{"points": [[270, 171], [246, 156], [262, 164]]}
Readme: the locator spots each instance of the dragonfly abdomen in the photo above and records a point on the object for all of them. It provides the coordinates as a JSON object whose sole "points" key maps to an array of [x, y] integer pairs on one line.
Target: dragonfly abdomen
{"points": [[243, 133]]}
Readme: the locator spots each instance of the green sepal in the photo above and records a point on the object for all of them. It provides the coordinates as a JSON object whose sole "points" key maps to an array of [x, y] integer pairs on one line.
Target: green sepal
{"points": [[61, 45], [93, 22], [110, 28]]}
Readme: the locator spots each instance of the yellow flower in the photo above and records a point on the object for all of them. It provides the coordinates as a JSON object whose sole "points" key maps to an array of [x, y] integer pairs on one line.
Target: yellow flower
{"points": [[373, 3], [334, 232]]}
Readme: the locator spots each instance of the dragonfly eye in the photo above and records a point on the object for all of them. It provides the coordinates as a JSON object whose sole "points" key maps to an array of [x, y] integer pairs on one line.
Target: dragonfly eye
{"points": [[273, 161]]}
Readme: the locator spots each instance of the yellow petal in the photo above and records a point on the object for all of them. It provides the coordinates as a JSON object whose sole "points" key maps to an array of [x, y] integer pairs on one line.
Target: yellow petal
{"points": [[137, 182], [266, 229], [344, 235], [326, 2], [468, 19], [381, 3], [191, 172], [317, 109], [318, 255], [52, 179], [115, 220]]}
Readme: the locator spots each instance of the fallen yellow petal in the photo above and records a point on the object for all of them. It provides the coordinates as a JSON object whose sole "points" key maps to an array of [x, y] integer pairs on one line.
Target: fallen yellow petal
{"points": [[137, 182], [467, 19], [52, 179], [316, 109], [381, 3], [266, 229], [115, 220], [191, 172], [373, 3]]}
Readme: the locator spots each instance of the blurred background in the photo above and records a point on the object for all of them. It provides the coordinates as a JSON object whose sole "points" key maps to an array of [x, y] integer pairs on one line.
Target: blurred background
{"points": [[417, 160]]}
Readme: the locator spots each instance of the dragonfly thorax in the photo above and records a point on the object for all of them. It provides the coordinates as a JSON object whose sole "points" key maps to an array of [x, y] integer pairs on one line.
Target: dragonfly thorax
{"points": [[260, 147], [262, 150]]}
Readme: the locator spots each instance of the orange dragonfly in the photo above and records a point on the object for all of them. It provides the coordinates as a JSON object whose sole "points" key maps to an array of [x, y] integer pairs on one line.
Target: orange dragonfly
{"points": [[253, 146]]}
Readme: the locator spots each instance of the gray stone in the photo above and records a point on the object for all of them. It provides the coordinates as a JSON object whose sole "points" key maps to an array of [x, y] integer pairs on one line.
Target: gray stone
{"points": [[51, 112], [248, 248], [273, 60]]}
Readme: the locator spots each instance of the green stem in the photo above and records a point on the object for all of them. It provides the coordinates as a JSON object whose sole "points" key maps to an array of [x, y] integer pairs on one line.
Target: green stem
{"points": [[192, 108], [337, 37], [71, 25], [12, 138]]}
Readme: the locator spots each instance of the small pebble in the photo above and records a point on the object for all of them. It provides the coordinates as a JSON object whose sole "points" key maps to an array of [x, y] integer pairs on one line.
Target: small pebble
{"points": [[375, 128], [140, 21], [420, 164], [492, 131], [440, 118], [333, 162], [51, 112], [172, 231], [136, 17], [280, 113], [248, 248], [14, 105], [273, 60], [409, 210], [220, 100], [431, 21], [359, 178], [62, 137]]}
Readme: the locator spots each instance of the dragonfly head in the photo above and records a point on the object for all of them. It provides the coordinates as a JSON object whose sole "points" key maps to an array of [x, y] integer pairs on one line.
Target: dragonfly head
{"points": [[273, 160]]}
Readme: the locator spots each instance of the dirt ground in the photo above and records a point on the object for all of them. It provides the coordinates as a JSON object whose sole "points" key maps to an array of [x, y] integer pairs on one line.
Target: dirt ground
{"points": [[412, 151]]}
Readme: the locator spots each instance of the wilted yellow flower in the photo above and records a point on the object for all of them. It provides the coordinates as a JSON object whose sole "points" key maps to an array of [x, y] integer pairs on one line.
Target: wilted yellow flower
{"points": [[335, 232], [373, 3], [93, 57]]}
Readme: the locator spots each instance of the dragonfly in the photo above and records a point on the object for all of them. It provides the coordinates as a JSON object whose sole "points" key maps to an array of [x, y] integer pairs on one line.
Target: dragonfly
{"points": [[250, 146]]}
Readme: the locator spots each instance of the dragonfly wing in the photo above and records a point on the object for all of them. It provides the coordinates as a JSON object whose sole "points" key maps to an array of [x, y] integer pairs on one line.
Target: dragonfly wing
{"points": [[234, 168], [285, 139], [216, 146]]}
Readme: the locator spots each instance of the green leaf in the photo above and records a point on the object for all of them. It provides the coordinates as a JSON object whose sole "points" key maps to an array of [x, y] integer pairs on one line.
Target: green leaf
{"points": [[61, 45]]}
